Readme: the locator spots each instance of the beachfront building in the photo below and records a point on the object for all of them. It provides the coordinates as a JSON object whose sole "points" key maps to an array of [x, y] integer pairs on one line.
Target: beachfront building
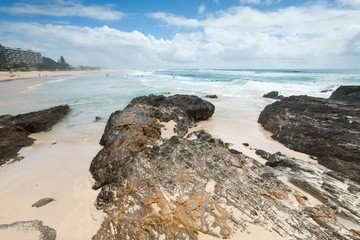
{"points": [[17, 56]]}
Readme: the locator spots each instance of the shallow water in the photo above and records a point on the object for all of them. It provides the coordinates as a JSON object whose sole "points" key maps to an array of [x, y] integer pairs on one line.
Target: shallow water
{"points": [[239, 91]]}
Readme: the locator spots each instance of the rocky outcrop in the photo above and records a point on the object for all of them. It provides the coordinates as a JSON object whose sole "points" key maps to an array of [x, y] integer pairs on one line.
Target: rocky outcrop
{"points": [[28, 227], [273, 94], [191, 184], [346, 93], [194, 106], [15, 130], [331, 188], [327, 129]]}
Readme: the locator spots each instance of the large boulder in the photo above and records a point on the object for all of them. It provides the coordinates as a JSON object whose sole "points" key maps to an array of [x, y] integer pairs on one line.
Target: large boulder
{"points": [[190, 184], [326, 129], [15, 130], [192, 105], [346, 93]]}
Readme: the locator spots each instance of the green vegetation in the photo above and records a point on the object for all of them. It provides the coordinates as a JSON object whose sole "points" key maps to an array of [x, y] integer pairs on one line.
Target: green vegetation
{"points": [[49, 64]]}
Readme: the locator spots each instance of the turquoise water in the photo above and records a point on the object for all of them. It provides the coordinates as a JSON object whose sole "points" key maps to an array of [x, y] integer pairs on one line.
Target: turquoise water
{"points": [[97, 95]]}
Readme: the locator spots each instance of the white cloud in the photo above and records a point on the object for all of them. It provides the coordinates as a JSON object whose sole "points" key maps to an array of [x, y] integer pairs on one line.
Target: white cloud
{"points": [[201, 9], [174, 20], [255, 2], [314, 36], [352, 3], [216, 1], [65, 8]]}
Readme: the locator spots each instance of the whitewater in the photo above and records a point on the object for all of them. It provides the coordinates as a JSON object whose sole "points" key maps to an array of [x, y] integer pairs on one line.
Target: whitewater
{"points": [[98, 95]]}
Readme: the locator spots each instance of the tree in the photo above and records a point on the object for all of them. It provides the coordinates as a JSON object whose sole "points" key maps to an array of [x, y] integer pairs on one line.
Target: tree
{"points": [[63, 64]]}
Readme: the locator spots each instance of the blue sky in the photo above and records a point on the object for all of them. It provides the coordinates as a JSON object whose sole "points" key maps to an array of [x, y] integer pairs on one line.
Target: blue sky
{"points": [[187, 33]]}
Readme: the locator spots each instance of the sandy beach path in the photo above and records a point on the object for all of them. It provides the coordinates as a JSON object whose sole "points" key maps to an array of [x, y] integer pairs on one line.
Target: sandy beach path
{"points": [[52, 170]]}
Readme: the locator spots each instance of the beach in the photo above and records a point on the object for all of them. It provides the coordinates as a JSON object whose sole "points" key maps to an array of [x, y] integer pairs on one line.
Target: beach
{"points": [[17, 75], [52, 169], [57, 165]]}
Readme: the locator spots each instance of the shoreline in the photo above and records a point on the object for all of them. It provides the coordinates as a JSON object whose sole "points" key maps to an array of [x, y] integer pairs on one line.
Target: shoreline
{"points": [[65, 165], [5, 76]]}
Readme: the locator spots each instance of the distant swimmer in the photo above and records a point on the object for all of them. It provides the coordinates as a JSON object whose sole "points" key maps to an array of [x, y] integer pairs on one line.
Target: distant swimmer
{"points": [[107, 75]]}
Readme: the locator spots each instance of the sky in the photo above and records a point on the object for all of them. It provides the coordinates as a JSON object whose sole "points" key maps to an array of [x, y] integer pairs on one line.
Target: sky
{"points": [[159, 34]]}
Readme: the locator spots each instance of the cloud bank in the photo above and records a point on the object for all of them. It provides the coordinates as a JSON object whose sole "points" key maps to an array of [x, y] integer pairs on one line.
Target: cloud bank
{"points": [[316, 36]]}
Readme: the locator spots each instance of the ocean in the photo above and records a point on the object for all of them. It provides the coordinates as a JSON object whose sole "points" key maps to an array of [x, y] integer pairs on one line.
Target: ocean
{"points": [[239, 92]]}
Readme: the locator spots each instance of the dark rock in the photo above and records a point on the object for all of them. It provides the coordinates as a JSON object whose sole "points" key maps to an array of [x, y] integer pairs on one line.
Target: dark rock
{"points": [[154, 188], [14, 130], [273, 94], [212, 96], [263, 153], [354, 189], [323, 128], [246, 144], [346, 93], [97, 118], [234, 151], [46, 233], [43, 202], [325, 91], [196, 107], [38, 121]]}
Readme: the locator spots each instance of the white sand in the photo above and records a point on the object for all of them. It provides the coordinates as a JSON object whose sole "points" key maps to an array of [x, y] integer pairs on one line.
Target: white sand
{"points": [[12, 234], [235, 122], [167, 131], [59, 171], [5, 76]]}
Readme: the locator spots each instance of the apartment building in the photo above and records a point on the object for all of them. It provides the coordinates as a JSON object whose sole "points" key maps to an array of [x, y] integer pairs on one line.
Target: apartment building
{"points": [[17, 55]]}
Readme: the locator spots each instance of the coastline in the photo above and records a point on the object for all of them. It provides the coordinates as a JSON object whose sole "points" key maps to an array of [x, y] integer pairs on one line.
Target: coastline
{"points": [[53, 167], [64, 173], [5, 76]]}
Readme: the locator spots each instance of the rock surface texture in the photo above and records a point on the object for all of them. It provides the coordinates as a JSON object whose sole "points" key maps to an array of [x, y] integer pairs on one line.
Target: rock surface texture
{"points": [[30, 227], [15, 130], [192, 185], [331, 188], [327, 129]]}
